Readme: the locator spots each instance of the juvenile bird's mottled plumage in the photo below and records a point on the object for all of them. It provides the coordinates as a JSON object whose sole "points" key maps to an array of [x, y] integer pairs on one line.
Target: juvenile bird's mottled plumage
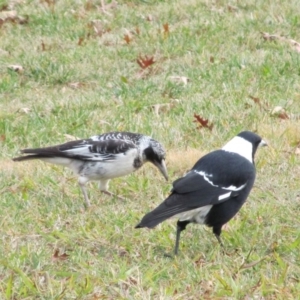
{"points": [[102, 157], [214, 190]]}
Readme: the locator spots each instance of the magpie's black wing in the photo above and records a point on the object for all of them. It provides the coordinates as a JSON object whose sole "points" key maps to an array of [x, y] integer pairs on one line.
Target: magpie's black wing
{"points": [[88, 149], [215, 178]]}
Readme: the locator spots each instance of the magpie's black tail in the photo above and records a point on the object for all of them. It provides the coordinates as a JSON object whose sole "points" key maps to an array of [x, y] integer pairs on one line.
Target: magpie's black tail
{"points": [[167, 209]]}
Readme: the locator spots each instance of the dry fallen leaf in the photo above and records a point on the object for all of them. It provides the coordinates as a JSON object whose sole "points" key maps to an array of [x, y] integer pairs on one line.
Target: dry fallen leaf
{"points": [[280, 112], [76, 85], [271, 37], [166, 28], [297, 151], [2, 138], [56, 256], [202, 123], [137, 31], [180, 79], [12, 16], [105, 7], [296, 45], [16, 68], [98, 27], [145, 62], [80, 41], [252, 264], [127, 38], [149, 18], [164, 107], [25, 110]]}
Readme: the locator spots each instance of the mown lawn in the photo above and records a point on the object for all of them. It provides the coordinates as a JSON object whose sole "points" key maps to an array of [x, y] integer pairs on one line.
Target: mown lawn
{"points": [[77, 75]]}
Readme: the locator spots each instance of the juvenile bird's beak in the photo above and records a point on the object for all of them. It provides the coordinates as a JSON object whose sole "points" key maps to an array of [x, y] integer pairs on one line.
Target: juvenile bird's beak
{"points": [[262, 144], [162, 168]]}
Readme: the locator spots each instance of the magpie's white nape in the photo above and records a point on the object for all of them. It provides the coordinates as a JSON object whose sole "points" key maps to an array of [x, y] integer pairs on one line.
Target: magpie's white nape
{"points": [[213, 191], [102, 157]]}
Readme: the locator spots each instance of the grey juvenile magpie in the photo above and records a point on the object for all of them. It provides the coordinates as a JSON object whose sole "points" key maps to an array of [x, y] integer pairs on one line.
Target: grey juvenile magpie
{"points": [[214, 190], [102, 157]]}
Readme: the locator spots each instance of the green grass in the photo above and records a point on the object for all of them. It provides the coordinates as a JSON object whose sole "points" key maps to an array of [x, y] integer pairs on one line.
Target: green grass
{"points": [[97, 86]]}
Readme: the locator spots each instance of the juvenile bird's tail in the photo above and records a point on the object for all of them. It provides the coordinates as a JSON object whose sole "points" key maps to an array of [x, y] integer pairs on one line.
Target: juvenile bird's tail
{"points": [[167, 209], [31, 157], [50, 154]]}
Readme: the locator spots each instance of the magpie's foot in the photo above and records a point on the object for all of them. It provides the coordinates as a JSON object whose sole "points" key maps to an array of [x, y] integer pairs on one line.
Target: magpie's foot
{"points": [[168, 255]]}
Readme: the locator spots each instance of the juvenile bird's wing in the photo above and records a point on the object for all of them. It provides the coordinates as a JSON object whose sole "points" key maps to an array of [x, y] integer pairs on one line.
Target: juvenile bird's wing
{"points": [[88, 149], [118, 135], [215, 178]]}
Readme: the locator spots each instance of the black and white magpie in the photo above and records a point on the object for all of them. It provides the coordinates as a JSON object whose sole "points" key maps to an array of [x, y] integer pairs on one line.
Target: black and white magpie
{"points": [[214, 190], [103, 157]]}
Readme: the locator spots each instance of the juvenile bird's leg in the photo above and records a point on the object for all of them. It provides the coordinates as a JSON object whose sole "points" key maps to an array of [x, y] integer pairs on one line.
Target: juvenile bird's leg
{"points": [[82, 182], [103, 186], [181, 225]]}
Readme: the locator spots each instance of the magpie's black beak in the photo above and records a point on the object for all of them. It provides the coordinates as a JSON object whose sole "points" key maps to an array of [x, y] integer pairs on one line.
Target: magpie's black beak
{"points": [[162, 168]]}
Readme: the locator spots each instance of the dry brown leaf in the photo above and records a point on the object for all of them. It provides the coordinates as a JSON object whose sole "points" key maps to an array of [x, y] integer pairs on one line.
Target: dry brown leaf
{"points": [[255, 99], [145, 62], [258, 101], [280, 112], [80, 41], [16, 68], [202, 123], [43, 46], [57, 257], [127, 38], [4, 7], [166, 28]]}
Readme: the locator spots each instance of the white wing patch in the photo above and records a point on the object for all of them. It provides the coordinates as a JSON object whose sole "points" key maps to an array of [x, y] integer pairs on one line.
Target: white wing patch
{"points": [[234, 188], [224, 196], [205, 177]]}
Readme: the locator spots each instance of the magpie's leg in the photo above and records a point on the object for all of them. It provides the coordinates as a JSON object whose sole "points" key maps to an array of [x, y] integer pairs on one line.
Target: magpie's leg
{"points": [[217, 232], [181, 225]]}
